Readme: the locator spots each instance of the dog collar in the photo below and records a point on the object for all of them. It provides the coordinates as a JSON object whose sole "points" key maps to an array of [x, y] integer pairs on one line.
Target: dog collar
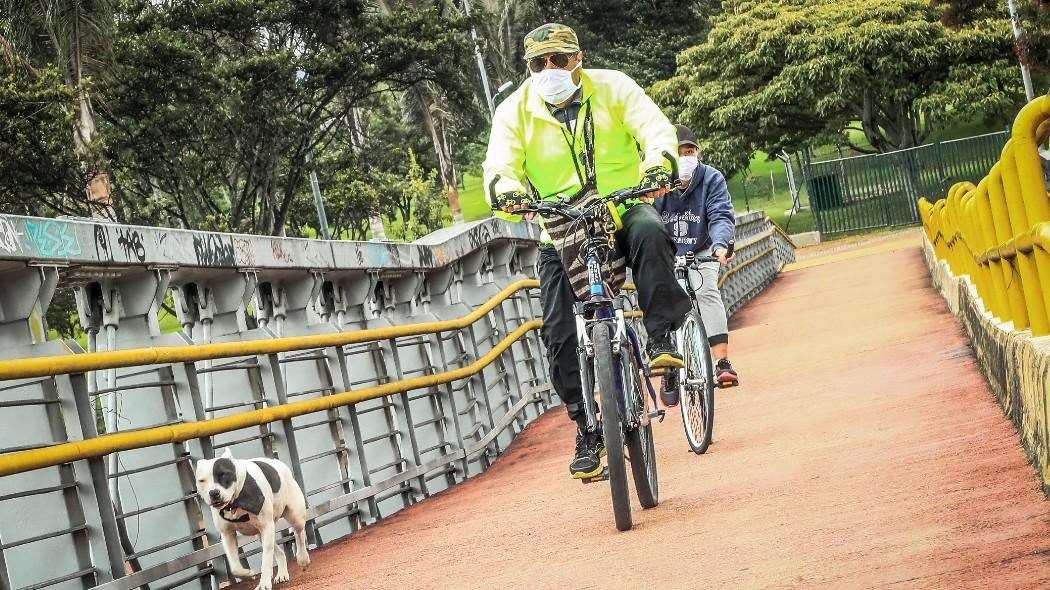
{"points": [[243, 518]]}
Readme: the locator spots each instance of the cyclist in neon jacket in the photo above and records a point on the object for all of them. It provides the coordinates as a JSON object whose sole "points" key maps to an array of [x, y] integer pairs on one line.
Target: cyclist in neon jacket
{"points": [[539, 137]]}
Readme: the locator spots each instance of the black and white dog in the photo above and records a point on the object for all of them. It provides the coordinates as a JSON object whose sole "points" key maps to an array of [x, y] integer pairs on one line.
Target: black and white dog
{"points": [[249, 497]]}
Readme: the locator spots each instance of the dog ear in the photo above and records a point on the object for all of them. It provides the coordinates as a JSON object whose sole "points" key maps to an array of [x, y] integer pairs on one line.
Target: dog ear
{"points": [[227, 454]]}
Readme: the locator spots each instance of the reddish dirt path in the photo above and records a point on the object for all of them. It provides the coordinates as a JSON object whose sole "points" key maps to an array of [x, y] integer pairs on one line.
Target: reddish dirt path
{"points": [[864, 450]]}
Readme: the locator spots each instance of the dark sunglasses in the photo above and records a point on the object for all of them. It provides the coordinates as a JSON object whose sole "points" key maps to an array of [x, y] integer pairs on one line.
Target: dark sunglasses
{"points": [[560, 60]]}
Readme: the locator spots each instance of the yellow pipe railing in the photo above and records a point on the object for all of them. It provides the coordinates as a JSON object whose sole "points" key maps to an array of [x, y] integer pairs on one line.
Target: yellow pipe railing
{"points": [[94, 361], [998, 232], [122, 441]]}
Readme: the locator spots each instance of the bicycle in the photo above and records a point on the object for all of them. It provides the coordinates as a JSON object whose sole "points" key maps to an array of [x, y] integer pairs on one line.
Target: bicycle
{"points": [[695, 382], [610, 356]]}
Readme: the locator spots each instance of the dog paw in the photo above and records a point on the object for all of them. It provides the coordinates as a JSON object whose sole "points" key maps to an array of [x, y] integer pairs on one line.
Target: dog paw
{"points": [[304, 561], [267, 585], [240, 572], [281, 577]]}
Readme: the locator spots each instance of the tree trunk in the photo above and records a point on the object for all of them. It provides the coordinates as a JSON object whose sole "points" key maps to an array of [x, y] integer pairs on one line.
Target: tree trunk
{"points": [[357, 142], [438, 134], [100, 201], [375, 223]]}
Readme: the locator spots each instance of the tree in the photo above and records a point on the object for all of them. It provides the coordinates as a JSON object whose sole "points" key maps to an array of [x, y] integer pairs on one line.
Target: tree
{"points": [[788, 74], [40, 170], [429, 107], [501, 26], [416, 203], [73, 36], [639, 38], [1033, 48], [218, 104]]}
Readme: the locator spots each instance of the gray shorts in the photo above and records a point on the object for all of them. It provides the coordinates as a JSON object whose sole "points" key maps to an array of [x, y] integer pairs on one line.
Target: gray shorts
{"points": [[712, 310]]}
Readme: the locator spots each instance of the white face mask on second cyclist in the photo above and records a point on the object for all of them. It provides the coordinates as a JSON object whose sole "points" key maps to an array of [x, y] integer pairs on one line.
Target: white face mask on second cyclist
{"points": [[687, 166], [555, 85]]}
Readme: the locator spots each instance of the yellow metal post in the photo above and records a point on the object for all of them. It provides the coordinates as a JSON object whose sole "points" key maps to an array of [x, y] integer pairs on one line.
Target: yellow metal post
{"points": [[1011, 277], [1030, 276], [993, 274]]}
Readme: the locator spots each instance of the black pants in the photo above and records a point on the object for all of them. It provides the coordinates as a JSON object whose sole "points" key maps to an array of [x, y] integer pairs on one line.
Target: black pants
{"points": [[650, 254]]}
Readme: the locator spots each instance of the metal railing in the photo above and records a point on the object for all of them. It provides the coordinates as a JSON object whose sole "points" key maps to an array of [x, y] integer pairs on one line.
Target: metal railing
{"points": [[381, 373], [880, 190], [997, 232]]}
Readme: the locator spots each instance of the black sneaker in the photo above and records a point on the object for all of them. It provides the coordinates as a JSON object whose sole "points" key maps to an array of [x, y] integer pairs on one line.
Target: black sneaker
{"points": [[664, 354], [587, 462], [725, 376]]}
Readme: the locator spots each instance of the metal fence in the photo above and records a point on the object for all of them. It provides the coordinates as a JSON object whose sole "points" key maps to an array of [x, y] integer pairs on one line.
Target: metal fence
{"points": [[881, 190], [382, 373]]}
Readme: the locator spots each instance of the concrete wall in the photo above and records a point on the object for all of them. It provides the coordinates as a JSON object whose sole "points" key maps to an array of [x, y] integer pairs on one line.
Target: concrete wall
{"points": [[1016, 365]]}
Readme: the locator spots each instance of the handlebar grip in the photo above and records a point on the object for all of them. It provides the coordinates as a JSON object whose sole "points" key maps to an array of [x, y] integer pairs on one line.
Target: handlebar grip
{"points": [[674, 167], [730, 248], [492, 193]]}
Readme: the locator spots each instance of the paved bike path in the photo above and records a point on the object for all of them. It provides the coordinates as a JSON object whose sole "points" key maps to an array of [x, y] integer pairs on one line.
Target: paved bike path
{"points": [[863, 450]]}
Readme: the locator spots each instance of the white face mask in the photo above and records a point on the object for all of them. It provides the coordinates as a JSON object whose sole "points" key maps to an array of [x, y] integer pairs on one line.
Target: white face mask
{"points": [[686, 167], [555, 85]]}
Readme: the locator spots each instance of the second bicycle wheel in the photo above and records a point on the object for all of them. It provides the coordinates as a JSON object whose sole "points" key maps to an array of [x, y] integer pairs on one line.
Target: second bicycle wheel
{"points": [[640, 444], [696, 384], [605, 377]]}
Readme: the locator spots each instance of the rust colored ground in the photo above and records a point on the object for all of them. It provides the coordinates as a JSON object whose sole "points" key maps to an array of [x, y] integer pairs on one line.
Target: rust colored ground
{"points": [[863, 450]]}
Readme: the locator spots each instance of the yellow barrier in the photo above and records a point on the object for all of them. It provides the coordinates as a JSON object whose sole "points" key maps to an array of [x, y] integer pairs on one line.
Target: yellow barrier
{"points": [[79, 363], [121, 441], [998, 232]]}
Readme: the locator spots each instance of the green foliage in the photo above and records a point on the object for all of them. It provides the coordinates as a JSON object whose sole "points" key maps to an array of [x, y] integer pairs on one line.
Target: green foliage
{"points": [[418, 201], [789, 74], [1035, 40], [40, 172], [218, 105], [639, 38], [1034, 16]]}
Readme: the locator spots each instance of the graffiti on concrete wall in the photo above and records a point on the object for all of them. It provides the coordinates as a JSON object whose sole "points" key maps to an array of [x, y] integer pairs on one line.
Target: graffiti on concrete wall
{"points": [[242, 252], [279, 253], [10, 238], [213, 250], [52, 239], [102, 249], [131, 241]]}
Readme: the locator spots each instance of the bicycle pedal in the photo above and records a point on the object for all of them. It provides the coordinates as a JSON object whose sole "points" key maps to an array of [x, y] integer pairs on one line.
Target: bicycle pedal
{"points": [[603, 476], [661, 414]]}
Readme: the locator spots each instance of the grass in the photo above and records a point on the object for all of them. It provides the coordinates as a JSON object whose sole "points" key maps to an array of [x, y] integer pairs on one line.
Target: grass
{"points": [[472, 199]]}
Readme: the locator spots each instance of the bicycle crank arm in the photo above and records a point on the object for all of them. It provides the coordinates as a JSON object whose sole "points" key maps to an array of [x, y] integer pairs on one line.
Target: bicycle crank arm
{"points": [[661, 414]]}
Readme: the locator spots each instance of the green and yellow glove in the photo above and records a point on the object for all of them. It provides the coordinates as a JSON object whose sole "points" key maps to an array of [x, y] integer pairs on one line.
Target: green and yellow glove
{"points": [[655, 178], [511, 200]]}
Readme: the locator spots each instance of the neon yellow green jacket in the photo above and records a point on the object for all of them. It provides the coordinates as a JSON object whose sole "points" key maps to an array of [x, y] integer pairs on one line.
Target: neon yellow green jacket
{"points": [[528, 142]]}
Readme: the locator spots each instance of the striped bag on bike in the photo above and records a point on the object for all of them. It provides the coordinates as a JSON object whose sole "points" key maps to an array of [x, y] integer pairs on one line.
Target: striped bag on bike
{"points": [[569, 236]]}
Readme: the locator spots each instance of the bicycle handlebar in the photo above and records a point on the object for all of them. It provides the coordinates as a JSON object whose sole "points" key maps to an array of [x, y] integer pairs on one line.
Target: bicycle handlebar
{"points": [[616, 197], [690, 259]]}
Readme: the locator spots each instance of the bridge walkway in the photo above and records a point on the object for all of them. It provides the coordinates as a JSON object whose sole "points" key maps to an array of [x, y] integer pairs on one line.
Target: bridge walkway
{"points": [[863, 450]]}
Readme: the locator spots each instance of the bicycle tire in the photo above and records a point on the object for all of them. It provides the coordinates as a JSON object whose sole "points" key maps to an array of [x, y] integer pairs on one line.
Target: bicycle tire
{"points": [[640, 445], [696, 385], [612, 431]]}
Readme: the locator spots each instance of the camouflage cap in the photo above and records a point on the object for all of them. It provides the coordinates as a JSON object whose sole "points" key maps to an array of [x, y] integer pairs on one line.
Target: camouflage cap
{"points": [[551, 38]]}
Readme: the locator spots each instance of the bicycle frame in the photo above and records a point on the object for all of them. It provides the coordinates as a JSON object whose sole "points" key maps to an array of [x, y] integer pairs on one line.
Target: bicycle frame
{"points": [[604, 307]]}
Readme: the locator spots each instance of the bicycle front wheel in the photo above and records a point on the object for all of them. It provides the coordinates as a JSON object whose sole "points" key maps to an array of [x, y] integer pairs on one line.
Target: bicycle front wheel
{"points": [[696, 384], [605, 377], [640, 446]]}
